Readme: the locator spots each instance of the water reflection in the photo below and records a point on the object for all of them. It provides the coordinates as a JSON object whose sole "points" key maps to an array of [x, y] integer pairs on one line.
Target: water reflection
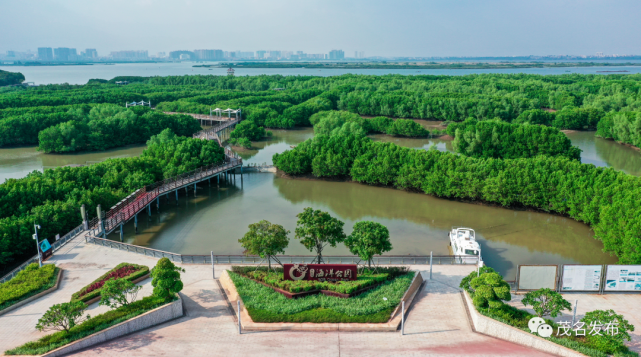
{"points": [[602, 152], [281, 140]]}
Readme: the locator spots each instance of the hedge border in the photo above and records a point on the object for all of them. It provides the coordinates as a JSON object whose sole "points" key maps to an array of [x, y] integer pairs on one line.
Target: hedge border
{"points": [[27, 298], [91, 297]]}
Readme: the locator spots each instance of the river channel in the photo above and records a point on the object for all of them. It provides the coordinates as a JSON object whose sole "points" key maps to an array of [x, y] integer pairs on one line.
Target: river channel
{"points": [[215, 218]]}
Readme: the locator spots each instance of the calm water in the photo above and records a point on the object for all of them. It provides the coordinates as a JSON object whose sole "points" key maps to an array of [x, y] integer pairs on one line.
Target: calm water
{"points": [[81, 74], [215, 218], [18, 162]]}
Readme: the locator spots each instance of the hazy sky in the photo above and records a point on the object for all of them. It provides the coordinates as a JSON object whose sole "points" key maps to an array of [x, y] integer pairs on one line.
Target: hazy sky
{"points": [[380, 28]]}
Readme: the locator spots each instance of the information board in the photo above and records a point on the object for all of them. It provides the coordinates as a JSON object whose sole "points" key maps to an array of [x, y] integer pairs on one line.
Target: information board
{"points": [[581, 277], [623, 278], [534, 277]]}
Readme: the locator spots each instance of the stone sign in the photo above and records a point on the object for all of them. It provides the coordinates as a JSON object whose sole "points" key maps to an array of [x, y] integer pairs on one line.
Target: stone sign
{"points": [[320, 272]]}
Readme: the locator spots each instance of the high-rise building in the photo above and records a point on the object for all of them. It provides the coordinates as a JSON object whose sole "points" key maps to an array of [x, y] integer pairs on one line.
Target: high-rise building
{"points": [[62, 53], [274, 54], [91, 53], [336, 54], [260, 54], [208, 54], [45, 53]]}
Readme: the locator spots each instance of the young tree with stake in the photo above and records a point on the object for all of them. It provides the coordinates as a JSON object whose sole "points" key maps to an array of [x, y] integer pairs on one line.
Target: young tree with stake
{"points": [[265, 239], [62, 317], [368, 239], [316, 229]]}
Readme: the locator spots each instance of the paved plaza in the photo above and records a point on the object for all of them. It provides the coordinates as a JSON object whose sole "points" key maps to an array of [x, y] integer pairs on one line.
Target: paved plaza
{"points": [[437, 323]]}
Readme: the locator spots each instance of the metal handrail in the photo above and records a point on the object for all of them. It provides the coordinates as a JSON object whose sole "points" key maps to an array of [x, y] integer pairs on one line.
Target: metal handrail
{"points": [[254, 259]]}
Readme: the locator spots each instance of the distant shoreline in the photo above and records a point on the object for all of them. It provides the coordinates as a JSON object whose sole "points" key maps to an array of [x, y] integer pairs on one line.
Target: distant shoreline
{"points": [[415, 65]]}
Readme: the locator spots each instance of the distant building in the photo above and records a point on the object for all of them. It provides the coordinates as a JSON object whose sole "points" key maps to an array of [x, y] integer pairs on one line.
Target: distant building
{"points": [[91, 53], [130, 55], [261, 54], [358, 54], [274, 54], [11, 53], [336, 54], [316, 56], [241, 54], [63, 53], [45, 53], [208, 54], [176, 54]]}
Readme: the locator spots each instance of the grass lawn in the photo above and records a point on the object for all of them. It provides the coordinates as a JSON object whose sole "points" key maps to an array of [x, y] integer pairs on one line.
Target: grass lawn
{"points": [[373, 306], [27, 283]]}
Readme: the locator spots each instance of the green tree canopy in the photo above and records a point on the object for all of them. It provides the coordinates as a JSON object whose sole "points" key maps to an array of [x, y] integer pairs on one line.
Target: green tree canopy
{"points": [[316, 229], [546, 302], [166, 278], [265, 239], [489, 290], [118, 292], [615, 330], [62, 316], [368, 239]]}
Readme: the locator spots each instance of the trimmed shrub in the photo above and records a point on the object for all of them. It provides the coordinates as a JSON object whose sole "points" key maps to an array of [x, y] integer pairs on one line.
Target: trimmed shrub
{"points": [[27, 283]]}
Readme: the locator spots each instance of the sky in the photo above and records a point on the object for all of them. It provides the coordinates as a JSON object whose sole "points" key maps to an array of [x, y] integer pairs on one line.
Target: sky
{"points": [[391, 28]]}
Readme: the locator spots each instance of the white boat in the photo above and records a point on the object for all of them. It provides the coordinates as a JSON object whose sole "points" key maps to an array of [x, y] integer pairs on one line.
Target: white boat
{"points": [[463, 242]]}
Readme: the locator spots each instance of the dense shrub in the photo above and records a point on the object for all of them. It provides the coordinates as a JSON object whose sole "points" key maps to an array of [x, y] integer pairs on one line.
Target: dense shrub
{"points": [[624, 127], [31, 281], [491, 138], [166, 279]]}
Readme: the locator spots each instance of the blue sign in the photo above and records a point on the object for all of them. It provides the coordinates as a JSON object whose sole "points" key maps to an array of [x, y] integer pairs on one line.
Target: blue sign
{"points": [[45, 246]]}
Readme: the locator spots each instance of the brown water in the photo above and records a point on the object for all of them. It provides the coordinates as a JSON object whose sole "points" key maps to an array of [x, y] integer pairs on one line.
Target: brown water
{"points": [[602, 152], [18, 162], [215, 219]]}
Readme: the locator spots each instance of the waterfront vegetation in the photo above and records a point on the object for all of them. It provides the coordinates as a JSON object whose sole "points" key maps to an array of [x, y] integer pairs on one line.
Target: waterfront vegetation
{"points": [[497, 139], [600, 197], [27, 283], [266, 305], [125, 271], [10, 78], [53, 198], [67, 317], [483, 290]]}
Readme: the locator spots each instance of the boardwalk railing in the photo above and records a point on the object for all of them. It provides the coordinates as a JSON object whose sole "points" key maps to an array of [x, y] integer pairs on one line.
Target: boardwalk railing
{"points": [[301, 259], [130, 206], [55, 246], [212, 133]]}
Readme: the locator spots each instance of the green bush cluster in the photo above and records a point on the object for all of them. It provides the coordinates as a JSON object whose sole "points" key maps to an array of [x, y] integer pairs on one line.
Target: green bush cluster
{"points": [[257, 297], [88, 327], [601, 197], [27, 283], [366, 278], [10, 78], [141, 270], [501, 140], [328, 122], [107, 126]]}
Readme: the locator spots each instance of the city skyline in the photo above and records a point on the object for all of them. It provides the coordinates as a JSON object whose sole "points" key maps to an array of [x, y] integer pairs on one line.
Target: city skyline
{"points": [[407, 29]]}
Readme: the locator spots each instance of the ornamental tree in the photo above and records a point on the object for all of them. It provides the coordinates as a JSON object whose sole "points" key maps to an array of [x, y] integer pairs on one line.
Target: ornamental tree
{"points": [[614, 330], [62, 317], [265, 239], [118, 292], [317, 229], [546, 302], [489, 290], [166, 278], [368, 239]]}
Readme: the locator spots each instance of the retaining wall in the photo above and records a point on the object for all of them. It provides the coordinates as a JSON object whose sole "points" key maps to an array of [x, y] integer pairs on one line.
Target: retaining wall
{"points": [[491, 327], [151, 318]]}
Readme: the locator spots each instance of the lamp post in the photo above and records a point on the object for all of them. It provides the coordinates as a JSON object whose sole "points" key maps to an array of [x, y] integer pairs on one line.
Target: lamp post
{"points": [[35, 236]]}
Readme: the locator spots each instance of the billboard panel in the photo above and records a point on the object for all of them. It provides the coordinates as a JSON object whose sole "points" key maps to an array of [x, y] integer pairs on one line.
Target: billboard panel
{"points": [[581, 277], [534, 277], [623, 278]]}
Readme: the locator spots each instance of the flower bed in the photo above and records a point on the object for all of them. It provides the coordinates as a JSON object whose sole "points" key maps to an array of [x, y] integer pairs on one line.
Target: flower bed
{"points": [[128, 271], [98, 323], [276, 279], [373, 306], [27, 283]]}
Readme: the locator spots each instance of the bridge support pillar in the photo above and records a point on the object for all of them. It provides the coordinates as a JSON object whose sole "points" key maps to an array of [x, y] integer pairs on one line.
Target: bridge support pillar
{"points": [[121, 232], [149, 210], [176, 197], [209, 179], [136, 222], [158, 203], [195, 190], [218, 178]]}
